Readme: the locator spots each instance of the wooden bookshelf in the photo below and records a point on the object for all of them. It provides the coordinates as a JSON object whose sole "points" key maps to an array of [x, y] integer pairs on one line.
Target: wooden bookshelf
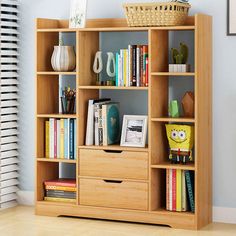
{"points": [[137, 175]]}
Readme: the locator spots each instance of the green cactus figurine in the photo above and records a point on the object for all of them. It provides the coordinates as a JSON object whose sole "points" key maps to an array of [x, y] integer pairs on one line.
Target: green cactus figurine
{"points": [[180, 57], [184, 52]]}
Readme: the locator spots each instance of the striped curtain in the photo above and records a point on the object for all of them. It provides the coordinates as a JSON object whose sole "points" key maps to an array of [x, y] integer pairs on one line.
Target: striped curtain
{"points": [[9, 103]]}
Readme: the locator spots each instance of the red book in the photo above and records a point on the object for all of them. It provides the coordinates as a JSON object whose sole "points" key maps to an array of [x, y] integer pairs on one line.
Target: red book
{"points": [[174, 190], [167, 189], [147, 73], [55, 139], [61, 182]]}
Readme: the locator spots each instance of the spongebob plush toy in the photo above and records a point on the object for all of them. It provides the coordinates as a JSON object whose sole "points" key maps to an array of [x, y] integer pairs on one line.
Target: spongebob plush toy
{"points": [[181, 139]]}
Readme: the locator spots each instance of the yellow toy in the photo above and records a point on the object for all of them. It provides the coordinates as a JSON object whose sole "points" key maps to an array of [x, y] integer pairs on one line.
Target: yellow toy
{"points": [[181, 140]]}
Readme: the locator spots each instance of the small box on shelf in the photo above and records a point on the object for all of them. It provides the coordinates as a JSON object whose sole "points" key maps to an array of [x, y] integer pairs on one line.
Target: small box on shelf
{"points": [[179, 68]]}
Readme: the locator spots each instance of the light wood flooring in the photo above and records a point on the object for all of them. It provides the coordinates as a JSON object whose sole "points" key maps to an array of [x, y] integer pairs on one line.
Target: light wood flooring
{"points": [[21, 221]]}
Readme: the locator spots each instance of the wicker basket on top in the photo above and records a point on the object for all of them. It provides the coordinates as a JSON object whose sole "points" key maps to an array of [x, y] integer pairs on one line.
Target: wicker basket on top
{"points": [[156, 14]]}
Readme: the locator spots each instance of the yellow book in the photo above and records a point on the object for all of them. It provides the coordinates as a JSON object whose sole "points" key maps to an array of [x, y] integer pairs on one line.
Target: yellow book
{"points": [[125, 67], [60, 188], [47, 139], [58, 199], [62, 136], [178, 190]]}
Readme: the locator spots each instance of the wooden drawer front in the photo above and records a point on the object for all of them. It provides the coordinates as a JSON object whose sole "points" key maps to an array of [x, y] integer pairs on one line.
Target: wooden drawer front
{"points": [[105, 193], [126, 165]]}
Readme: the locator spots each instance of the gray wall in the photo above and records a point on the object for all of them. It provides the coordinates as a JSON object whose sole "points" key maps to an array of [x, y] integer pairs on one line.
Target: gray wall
{"points": [[224, 87]]}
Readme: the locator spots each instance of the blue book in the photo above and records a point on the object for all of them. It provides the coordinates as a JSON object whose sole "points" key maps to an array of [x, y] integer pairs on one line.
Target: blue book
{"points": [[117, 69], [71, 137], [75, 143], [66, 146], [189, 176]]}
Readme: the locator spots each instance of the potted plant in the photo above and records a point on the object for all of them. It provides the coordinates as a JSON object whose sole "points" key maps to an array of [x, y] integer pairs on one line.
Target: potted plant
{"points": [[179, 59]]}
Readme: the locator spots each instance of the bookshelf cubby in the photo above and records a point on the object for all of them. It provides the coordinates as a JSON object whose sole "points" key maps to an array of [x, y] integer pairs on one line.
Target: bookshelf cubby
{"points": [[127, 183]]}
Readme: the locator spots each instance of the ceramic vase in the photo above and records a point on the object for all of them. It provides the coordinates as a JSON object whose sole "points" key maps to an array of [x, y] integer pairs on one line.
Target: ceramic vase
{"points": [[63, 58]]}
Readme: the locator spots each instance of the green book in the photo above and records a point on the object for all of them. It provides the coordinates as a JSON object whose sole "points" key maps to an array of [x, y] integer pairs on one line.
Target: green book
{"points": [[111, 123]]}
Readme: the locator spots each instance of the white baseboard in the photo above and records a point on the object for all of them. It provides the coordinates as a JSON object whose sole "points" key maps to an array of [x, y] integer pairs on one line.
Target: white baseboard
{"points": [[25, 198], [224, 215], [220, 214]]}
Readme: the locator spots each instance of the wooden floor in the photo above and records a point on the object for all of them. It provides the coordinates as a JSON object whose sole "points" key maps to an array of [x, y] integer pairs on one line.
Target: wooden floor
{"points": [[21, 221]]}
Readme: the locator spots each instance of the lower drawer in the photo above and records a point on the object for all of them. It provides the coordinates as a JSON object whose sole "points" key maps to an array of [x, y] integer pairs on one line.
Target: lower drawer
{"points": [[117, 194]]}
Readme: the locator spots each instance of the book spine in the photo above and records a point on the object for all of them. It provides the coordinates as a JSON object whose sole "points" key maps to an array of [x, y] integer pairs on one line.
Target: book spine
{"points": [[117, 69], [58, 138], [190, 190], [122, 67], [60, 188], [96, 118], [170, 189], [145, 56], [141, 66], [55, 138], [59, 184], [178, 190], [138, 66], [173, 190], [51, 138], [104, 124], [167, 189], [147, 71], [125, 66], [184, 192], [71, 139], [90, 124], [66, 139], [120, 70], [75, 140], [134, 66], [47, 141], [62, 134], [130, 48], [54, 199]]}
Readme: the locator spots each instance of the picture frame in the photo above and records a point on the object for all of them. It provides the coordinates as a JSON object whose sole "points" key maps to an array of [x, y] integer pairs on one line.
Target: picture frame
{"points": [[78, 12], [231, 17], [134, 131]]}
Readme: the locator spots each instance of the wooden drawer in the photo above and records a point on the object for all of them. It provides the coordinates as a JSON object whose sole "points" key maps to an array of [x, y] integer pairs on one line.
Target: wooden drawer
{"points": [[110, 164], [117, 194]]}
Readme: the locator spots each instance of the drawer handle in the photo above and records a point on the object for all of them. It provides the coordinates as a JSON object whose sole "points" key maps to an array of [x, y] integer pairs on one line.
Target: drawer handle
{"points": [[113, 181], [113, 151]]}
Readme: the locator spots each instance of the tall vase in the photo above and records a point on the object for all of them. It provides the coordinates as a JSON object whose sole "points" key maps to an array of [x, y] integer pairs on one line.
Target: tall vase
{"points": [[63, 58]]}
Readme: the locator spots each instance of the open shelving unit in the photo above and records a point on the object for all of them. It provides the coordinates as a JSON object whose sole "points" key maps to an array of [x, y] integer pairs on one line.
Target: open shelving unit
{"points": [[125, 183]]}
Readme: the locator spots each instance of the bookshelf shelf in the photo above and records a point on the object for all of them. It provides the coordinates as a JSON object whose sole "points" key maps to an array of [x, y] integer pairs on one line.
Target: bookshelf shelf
{"points": [[55, 73], [124, 176], [113, 88], [175, 120], [115, 148], [168, 165], [59, 116], [173, 74], [57, 160]]}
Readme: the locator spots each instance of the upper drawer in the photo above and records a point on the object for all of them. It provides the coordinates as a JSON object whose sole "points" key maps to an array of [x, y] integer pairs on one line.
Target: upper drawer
{"points": [[125, 164]]}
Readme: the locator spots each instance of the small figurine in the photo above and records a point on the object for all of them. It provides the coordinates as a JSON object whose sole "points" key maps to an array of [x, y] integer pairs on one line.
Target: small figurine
{"points": [[174, 109], [188, 104], [181, 140]]}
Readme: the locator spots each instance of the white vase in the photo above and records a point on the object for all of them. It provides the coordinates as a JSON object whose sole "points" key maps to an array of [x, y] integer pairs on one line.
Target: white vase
{"points": [[63, 58]]}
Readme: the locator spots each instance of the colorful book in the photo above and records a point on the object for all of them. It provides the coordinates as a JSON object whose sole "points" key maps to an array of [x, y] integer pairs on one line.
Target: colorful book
{"points": [[51, 138], [134, 65], [62, 138], [55, 199], [125, 66], [63, 182], [171, 189], [55, 138], [60, 194], [189, 176], [178, 190], [75, 140], [66, 139], [111, 123], [184, 192], [147, 71], [47, 141], [62, 188], [71, 140], [174, 180], [167, 189], [145, 56], [138, 66], [117, 69], [58, 138]]}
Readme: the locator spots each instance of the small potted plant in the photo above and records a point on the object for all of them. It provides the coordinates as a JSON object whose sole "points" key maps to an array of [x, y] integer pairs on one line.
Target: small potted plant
{"points": [[179, 59]]}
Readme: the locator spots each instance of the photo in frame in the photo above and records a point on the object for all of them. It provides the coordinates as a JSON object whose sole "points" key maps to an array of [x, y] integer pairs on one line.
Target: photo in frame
{"points": [[134, 131], [231, 17], [78, 12]]}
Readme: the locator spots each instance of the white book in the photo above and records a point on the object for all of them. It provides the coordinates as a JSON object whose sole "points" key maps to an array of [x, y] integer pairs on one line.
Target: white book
{"points": [[120, 70], [138, 66], [51, 138], [170, 189], [90, 124], [122, 67], [128, 67], [58, 138]]}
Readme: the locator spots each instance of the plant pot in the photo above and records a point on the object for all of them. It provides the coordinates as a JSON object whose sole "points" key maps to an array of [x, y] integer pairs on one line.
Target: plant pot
{"points": [[63, 58], [179, 68]]}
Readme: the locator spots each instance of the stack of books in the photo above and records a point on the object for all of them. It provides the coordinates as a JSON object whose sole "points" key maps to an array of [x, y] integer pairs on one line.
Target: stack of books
{"points": [[60, 190], [60, 138], [103, 122], [180, 190], [132, 66]]}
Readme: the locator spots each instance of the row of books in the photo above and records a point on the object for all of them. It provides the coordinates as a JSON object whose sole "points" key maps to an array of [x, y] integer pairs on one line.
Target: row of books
{"points": [[103, 122], [132, 66], [60, 190], [180, 190], [60, 138]]}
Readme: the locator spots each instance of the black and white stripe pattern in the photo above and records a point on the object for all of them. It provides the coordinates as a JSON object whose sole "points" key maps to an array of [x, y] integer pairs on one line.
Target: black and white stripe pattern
{"points": [[9, 102]]}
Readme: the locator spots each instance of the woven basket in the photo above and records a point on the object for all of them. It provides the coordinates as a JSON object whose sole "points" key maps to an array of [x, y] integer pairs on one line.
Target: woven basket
{"points": [[156, 14]]}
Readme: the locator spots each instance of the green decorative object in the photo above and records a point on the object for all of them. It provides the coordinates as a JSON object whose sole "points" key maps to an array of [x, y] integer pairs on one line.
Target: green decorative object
{"points": [[174, 109], [180, 56]]}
